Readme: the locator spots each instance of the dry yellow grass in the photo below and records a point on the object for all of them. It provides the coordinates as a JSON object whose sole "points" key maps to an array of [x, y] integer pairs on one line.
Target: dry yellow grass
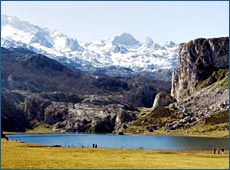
{"points": [[21, 155]]}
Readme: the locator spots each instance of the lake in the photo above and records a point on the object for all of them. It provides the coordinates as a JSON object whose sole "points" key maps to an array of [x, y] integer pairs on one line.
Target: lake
{"points": [[123, 141]]}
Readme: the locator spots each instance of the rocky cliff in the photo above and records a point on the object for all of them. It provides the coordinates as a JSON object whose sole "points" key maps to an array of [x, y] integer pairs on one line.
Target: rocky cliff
{"points": [[197, 61]]}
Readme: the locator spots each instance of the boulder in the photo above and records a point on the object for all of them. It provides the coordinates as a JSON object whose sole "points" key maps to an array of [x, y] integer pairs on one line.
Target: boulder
{"points": [[120, 133], [151, 128], [162, 99]]}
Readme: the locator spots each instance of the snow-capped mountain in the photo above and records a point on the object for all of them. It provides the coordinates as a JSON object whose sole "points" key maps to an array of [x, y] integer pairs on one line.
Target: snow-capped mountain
{"points": [[122, 51]]}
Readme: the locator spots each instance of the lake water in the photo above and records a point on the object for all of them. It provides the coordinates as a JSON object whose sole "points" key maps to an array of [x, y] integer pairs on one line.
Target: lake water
{"points": [[123, 141]]}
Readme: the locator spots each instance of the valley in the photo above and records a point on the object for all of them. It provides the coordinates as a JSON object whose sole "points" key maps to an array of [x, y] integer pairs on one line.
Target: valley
{"points": [[114, 84], [53, 82]]}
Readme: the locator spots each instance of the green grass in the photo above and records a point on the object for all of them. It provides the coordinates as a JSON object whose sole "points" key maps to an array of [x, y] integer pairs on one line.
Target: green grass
{"points": [[219, 77], [216, 125], [143, 111], [221, 84], [21, 155], [42, 128], [158, 117], [39, 128], [216, 118]]}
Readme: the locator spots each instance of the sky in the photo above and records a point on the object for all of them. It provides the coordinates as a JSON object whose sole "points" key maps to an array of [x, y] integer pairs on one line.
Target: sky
{"points": [[162, 21]]}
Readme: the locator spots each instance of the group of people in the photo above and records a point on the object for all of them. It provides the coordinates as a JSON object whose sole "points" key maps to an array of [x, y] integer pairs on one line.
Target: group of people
{"points": [[218, 150], [94, 145]]}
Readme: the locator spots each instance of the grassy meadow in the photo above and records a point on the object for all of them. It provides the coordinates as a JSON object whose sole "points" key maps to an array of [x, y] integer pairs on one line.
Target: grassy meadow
{"points": [[21, 155]]}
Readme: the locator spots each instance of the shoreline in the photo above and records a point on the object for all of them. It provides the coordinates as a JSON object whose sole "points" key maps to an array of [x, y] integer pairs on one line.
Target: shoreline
{"points": [[126, 134], [123, 149]]}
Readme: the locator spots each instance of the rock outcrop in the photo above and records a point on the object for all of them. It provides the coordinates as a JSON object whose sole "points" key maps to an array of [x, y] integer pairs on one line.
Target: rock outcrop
{"points": [[65, 112], [93, 118], [197, 61], [162, 99]]}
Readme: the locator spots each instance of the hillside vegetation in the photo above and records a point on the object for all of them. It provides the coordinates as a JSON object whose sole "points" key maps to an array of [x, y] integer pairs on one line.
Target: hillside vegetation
{"points": [[213, 124], [216, 125]]}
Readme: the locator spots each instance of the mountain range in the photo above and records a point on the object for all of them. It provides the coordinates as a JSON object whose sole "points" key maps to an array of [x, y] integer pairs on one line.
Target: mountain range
{"points": [[120, 55], [54, 81]]}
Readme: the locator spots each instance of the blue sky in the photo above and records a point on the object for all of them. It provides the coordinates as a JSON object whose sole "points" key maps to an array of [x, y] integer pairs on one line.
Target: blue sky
{"points": [[162, 21]]}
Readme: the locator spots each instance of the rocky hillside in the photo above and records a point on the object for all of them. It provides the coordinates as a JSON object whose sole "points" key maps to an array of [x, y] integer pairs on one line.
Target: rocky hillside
{"points": [[37, 89], [200, 86], [28, 71]]}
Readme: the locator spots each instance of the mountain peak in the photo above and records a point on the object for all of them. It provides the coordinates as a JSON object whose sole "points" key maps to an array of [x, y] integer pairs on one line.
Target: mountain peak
{"points": [[16, 23], [9, 18], [125, 39], [43, 38], [170, 44], [149, 43]]}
